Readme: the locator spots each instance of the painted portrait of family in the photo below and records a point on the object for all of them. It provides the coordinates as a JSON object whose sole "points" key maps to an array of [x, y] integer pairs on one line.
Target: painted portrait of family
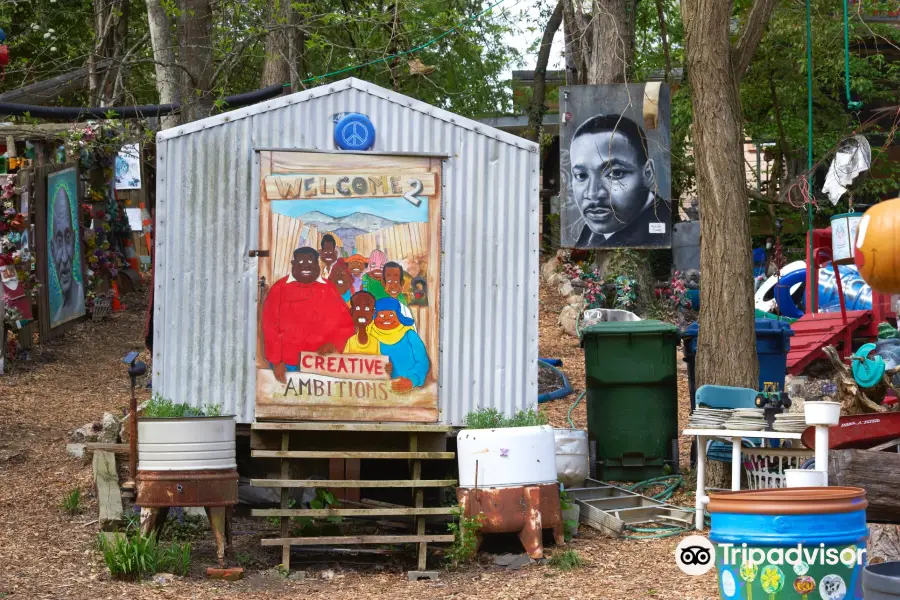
{"points": [[348, 318]]}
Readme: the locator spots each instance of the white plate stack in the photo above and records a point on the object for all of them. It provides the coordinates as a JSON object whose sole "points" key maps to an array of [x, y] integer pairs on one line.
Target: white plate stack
{"points": [[709, 418], [747, 419], [790, 423]]}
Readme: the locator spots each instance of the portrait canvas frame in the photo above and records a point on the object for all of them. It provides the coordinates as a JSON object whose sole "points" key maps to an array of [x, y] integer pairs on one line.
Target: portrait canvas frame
{"points": [[590, 111], [48, 179]]}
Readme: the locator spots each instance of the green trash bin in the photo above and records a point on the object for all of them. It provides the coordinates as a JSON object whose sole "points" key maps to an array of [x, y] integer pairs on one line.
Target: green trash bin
{"points": [[632, 398]]}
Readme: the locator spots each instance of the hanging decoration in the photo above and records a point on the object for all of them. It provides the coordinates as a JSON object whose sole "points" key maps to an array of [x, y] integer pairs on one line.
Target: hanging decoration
{"points": [[97, 147], [19, 282]]}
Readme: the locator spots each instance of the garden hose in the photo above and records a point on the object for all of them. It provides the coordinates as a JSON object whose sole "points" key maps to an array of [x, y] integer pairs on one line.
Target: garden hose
{"points": [[671, 483], [571, 408]]}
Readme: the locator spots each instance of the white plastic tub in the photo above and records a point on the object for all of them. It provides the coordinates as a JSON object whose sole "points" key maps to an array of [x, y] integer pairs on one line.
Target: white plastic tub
{"points": [[800, 478], [199, 443], [506, 457], [822, 413]]}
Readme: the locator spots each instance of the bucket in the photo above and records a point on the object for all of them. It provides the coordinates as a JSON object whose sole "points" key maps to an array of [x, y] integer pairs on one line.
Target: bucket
{"points": [[882, 581], [822, 413], [800, 543], [843, 237], [800, 478], [572, 457]]}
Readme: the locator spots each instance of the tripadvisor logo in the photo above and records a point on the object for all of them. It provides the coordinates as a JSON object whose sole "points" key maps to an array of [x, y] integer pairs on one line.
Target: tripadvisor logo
{"points": [[795, 555]]}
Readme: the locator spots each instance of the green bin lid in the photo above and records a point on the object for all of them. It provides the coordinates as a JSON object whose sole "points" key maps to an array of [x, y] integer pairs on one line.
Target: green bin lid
{"points": [[648, 327]]}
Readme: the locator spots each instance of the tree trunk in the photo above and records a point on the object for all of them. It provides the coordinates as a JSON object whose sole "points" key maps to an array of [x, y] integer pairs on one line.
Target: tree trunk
{"points": [[726, 352], [539, 91], [196, 56], [111, 36], [612, 47], [167, 71], [281, 44]]}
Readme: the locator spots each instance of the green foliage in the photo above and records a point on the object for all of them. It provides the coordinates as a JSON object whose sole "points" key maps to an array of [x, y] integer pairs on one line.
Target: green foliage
{"points": [[135, 557], [309, 526], [568, 560], [191, 527], [774, 93], [491, 418], [71, 502], [470, 63], [465, 531], [160, 407], [565, 502]]}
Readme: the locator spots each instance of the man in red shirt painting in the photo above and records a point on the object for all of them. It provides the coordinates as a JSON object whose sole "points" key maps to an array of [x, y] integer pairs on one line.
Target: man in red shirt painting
{"points": [[302, 313]]}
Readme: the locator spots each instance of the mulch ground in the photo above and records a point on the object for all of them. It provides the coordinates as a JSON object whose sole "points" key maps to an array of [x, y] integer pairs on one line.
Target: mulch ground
{"points": [[45, 553]]}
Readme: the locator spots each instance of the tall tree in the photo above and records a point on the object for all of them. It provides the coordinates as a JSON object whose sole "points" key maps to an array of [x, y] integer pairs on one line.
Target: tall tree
{"points": [[195, 53], [726, 353], [601, 42], [537, 107], [111, 35], [166, 68], [280, 64]]}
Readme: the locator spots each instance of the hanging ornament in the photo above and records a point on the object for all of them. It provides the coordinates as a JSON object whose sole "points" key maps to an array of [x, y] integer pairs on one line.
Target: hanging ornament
{"points": [[2, 36]]}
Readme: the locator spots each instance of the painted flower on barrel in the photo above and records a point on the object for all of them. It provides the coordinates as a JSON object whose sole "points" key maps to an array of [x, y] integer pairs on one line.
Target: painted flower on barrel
{"points": [[748, 572], [848, 556], [772, 579], [804, 584], [801, 568]]}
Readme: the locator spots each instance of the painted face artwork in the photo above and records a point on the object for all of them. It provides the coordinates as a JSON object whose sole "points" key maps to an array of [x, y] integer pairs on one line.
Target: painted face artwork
{"points": [[329, 253], [304, 267], [340, 277], [611, 182], [387, 319], [362, 308], [393, 283], [357, 267], [62, 244]]}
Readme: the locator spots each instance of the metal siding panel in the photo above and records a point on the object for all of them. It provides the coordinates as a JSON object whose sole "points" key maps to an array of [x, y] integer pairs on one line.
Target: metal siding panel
{"points": [[208, 220]]}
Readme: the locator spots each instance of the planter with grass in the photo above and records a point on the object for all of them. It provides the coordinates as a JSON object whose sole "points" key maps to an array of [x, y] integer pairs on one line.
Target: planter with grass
{"points": [[507, 473], [186, 457]]}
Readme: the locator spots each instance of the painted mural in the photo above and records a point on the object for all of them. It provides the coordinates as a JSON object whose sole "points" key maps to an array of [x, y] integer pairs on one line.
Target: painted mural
{"points": [[348, 316], [66, 276]]}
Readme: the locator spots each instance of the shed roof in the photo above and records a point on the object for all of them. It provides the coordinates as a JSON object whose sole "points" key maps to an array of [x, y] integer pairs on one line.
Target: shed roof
{"points": [[346, 84]]}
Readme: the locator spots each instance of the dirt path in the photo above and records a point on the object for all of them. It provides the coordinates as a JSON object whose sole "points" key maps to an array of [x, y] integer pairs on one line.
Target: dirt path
{"points": [[46, 554]]}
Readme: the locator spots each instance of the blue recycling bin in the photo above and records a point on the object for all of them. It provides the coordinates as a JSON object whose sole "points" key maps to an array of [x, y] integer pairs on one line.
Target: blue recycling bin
{"points": [[773, 341]]}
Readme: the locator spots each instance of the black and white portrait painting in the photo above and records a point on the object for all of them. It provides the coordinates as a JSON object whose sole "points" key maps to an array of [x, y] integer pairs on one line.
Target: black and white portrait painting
{"points": [[615, 166]]}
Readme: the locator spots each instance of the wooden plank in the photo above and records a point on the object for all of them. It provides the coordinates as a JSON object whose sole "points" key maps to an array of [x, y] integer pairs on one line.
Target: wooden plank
{"points": [[285, 524], [109, 497], [350, 512], [114, 448], [332, 426], [361, 454], [357, 539], [363, 483]]}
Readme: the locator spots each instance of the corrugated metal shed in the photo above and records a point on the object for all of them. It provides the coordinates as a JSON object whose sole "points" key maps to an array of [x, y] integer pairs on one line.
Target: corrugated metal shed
{"points": [[207, 222]]}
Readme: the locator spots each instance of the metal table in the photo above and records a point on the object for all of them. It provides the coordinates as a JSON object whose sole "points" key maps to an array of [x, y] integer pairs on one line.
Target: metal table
{"points": [[736, 437]]}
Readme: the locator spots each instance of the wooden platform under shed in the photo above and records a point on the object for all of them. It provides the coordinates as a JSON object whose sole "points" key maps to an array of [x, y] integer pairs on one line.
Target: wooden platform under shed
{"points": [[346, 443]]}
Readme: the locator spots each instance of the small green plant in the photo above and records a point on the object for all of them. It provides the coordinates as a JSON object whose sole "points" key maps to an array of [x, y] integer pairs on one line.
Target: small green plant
{"points": [[71, 502], [568, 560], [491, 418], [188, 528], [131, 522], [135, 557], [465, 533], [160, 407], [283, 571], [570, 526]]}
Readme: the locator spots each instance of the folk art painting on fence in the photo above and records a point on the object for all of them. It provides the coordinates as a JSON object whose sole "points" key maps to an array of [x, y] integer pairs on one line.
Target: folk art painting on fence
{"points": [[348, 307]]}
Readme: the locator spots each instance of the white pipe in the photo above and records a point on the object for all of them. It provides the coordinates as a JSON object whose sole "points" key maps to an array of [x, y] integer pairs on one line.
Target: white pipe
{"points": [[736, 464], [822, 450], [699, 504]]}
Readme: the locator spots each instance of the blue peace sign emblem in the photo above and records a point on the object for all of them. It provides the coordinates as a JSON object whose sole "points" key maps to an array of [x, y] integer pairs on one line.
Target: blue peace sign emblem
{"points": [[354, 132]]}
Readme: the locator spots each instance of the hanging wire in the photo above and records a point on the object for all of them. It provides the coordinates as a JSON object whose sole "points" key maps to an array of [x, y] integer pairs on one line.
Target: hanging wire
{"points": [[852, 105]]}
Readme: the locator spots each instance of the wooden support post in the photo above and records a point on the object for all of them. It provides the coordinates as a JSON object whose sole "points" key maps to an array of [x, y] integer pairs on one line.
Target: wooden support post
{"points": [[218, 522], [108, 495], [419, 500], [285, 521]]}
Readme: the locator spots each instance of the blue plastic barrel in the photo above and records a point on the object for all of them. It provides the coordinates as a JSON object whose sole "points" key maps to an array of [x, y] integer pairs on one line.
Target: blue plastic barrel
{"points": [[800, 543]]}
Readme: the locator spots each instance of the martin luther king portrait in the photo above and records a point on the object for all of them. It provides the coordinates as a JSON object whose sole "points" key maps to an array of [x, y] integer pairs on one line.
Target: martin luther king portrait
{"points": [[616, 182]]}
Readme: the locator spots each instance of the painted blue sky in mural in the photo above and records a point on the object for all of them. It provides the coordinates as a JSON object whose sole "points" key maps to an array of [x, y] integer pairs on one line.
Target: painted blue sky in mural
{"points": [[395, 209]]}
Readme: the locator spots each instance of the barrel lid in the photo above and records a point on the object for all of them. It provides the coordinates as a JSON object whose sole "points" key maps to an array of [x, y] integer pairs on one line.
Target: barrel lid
{"points": [[647, 327], [789, 501], [845, 215]]}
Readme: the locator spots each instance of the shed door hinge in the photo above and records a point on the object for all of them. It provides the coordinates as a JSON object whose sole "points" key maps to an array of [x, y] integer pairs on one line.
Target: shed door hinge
{"points": [[259, 254]]}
